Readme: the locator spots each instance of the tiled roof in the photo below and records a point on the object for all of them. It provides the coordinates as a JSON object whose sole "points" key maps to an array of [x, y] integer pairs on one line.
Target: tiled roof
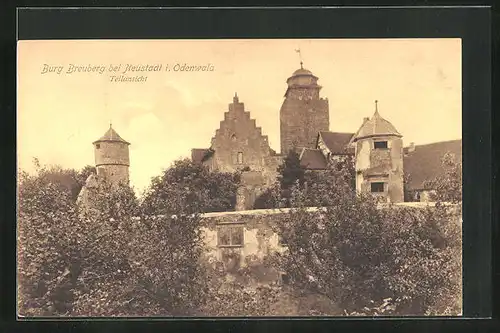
{"points": [[376, 126], [336, 142], [424, 163], [198, 154], [312, 159], [111, 135]]}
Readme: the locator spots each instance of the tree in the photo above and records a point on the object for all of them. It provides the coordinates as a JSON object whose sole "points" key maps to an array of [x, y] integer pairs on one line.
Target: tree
{"points": [[448, 187], [189, 187], [270, 198], [65, 178], [409, 195], [359, 255], [234, 294], [289, 173], [45, 213], [102, 259]]}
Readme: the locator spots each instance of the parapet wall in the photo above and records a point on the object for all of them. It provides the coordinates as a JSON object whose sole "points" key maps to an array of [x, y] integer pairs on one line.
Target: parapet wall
{"points": [[243, 239]]}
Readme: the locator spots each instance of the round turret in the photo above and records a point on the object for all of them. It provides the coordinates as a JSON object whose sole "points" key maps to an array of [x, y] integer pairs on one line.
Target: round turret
{"points": [[379, 158], [112, 156]]}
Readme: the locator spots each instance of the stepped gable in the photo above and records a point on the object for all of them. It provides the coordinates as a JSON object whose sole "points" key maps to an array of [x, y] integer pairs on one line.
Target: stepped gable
{"points": [[313, 159], [239, 142], [423, 162]]}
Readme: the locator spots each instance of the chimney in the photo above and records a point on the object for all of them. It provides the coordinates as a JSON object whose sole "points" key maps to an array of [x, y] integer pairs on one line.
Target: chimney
{"points": [[411, 148]]}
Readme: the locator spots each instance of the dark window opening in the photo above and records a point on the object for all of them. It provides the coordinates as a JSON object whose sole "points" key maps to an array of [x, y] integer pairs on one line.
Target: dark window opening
{"points": [[98, 146], [380, 144], [285, 279], [230, 236], [377, 187]]}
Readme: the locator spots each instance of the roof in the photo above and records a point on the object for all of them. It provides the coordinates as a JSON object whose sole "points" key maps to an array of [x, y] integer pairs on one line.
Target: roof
{"points": [[313, 159], [376, 126], [112, 136], [337, 142], [379, 170], [424, 163], [302, 71], [198, 155]]}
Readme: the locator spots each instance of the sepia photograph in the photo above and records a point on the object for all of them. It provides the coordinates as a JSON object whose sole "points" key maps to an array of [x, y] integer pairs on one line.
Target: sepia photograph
{"points": [[239, 178]]}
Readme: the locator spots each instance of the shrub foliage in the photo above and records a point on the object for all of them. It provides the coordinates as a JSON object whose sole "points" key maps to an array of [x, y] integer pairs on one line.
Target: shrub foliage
{"points": [[190, 187], [363, 257], [115, 256]]}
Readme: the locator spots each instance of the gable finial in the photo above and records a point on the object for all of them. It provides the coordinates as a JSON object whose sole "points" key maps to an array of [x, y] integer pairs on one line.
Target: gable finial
{"points": [[110, 123], [235, 98], [376, 106]]}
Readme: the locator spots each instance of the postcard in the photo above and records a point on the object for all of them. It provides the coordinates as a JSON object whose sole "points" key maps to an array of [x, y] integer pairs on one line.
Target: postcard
{"points": [[239, 178]]}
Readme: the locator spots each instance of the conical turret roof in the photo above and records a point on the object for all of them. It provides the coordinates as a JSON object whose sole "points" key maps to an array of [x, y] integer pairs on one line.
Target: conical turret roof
{"points": [[111, 135], [376, 126]]}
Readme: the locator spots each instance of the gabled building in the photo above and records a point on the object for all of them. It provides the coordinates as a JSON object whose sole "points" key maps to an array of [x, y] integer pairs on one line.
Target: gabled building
{"points": [[380, 161], [422, 163]]}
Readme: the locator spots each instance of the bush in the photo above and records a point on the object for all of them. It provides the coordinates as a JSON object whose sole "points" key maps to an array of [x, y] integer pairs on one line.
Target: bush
{"points": [[359, 255], [188, 187], [100, 259]]}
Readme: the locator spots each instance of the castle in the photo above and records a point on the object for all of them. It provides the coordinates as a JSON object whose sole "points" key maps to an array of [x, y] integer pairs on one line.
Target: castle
{"points": [[381, 160], [244, 237]]}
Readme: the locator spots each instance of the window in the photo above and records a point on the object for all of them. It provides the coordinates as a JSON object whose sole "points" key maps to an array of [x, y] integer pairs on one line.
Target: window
{"points": [[98, 146], [380, 145], [377, 187], [230, 236], [285, 279], [101, 171], [240, 158], [233, 137]]}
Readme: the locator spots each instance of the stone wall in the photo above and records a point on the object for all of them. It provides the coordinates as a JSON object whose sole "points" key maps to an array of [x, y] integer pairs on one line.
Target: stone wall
{"points": [[387, 161], [252, 184], [255, 238], [112, 161], [110, 152], [238, 143], [258, 240], [300, 122], [114, 173]]}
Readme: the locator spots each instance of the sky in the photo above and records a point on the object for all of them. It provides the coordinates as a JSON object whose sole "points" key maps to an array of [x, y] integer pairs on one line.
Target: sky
{"points": [[417, 83]]}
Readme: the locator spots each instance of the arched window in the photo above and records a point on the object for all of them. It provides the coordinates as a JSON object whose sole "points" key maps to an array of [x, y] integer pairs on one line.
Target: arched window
{"points": [[240, 158]]}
